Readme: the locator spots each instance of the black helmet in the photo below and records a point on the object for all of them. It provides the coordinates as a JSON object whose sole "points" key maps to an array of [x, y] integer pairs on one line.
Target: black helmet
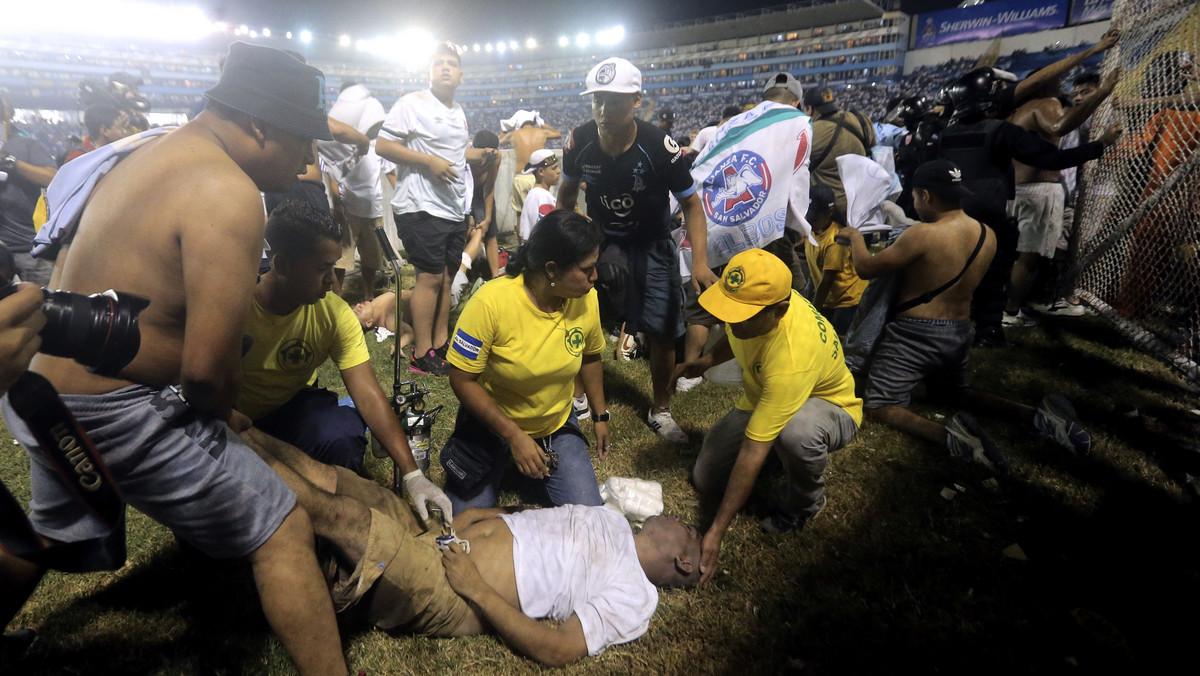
{"points": [[909, 112], [982, 91]]}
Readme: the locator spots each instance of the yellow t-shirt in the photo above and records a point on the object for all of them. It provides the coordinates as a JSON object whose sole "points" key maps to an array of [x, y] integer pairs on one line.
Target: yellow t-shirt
{"points": [[848, 287], [527, 358], [287, 350], [800, 358]]}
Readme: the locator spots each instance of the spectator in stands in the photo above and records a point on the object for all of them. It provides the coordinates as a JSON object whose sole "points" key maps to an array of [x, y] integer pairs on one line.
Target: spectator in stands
{"points": [[355, 182], [983, 146], [700, 142], [835, 133], [425, 134], [171, 450], [26, 167], [629, 167], [518, 346], [105, 123], [580, 566], [798, 401], [543, 166], [294, 326], [930, 334], [838, 286], [666, 120], [1040, 199], [530, 135]]}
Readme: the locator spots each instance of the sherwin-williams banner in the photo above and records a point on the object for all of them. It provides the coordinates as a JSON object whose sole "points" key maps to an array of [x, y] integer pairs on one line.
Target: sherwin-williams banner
{"points": [[982, 22], [1087, 11]]}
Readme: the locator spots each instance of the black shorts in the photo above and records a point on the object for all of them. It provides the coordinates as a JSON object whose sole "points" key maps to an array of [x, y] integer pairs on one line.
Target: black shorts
{"points": [[431, 244]]}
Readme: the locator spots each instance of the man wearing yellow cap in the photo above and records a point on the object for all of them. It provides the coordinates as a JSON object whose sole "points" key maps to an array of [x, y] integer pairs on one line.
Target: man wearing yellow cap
{"points": [[798, 399]]}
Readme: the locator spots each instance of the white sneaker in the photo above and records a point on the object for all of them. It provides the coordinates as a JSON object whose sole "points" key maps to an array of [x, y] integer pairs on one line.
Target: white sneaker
{"points": [[626, 346], [685, 384], [665, 427], [1018, 320], [582, 410], [1059, 308]]}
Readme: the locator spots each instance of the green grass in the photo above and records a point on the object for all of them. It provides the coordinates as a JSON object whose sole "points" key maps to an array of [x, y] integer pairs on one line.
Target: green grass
{"points": [[891, 577]]}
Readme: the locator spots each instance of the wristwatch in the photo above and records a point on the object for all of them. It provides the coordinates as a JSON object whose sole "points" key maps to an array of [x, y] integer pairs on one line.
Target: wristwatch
{"points": [[601, 417]]}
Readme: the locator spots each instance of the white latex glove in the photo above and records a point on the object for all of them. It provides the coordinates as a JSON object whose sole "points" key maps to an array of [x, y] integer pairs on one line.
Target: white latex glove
{"points": [[420, 490], [457, 287]]}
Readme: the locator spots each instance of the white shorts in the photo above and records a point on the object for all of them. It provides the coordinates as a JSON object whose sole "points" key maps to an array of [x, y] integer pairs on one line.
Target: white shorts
{"points": [[1038, 209]]}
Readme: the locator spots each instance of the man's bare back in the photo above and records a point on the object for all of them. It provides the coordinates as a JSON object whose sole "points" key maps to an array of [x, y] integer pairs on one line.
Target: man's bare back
{"points": [[942, 249], [1037, 116], [528, 139], [182, 198]]}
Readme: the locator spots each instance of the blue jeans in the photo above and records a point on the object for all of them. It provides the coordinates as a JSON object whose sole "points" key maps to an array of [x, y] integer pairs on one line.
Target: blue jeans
{"points": [[313, 422], [475, 459]]}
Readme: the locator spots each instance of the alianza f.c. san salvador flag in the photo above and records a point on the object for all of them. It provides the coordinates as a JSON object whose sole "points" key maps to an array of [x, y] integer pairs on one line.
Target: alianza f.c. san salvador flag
{"points": [[753, 179]]}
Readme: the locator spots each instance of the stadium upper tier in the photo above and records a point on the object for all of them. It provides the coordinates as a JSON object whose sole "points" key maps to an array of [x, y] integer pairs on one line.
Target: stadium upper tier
{"points": [[44, 75]]}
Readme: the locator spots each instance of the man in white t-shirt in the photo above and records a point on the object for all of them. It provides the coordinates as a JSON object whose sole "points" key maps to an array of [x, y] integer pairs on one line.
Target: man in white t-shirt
{"points": [[543, 166], [705, 135], [358, 194], [580, 566], [425, 134]]}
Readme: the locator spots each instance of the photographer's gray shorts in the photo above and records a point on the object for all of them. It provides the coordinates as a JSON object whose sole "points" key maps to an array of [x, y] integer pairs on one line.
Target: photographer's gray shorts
{"points": [[188, 472]]}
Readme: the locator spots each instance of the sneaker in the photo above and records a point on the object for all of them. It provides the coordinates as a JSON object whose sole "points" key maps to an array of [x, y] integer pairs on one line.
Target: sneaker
{"points": [[626, 346], [780, 523], [990, 336], [441, 351], [1059, 308], [1018, 320], [15, 647], [429, 364], [582, 410], [1055, 419], [685, 384], [665, 427], [965, 438]]}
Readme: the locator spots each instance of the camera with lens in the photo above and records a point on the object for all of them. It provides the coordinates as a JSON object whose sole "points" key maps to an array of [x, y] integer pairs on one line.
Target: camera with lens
{"points": [[99, 331]]}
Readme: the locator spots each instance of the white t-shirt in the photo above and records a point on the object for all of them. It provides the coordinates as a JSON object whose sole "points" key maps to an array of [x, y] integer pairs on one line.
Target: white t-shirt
{"points": [[538, 203], [358, 182], [581, 560], [702, 138], [424, 124]]}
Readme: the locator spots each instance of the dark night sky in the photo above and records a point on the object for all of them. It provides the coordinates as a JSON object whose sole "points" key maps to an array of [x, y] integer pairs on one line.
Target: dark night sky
{"points": [[479, 20]]}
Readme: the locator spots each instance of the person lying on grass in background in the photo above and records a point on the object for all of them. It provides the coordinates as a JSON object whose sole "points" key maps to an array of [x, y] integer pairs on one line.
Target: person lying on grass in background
{"points": [[581, 566]]}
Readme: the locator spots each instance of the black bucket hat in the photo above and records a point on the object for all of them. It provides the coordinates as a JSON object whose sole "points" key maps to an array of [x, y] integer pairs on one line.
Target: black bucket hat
{"points": [[275, 87]]}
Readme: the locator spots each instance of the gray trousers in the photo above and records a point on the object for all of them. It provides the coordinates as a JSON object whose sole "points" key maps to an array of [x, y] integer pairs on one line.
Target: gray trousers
{"points": [[804, 445]]}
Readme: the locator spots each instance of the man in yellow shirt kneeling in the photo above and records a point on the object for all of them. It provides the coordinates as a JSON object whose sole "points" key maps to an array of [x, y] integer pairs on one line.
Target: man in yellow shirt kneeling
{"points": [[798, 397]]}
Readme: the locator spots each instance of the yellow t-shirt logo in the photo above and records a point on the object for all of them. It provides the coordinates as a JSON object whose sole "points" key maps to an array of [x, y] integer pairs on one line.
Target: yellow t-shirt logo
{"points": [[294, 355], [575, 341]]}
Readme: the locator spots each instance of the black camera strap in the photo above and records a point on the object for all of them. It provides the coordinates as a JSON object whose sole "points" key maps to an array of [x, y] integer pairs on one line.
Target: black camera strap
{"points": [[78, 464]]}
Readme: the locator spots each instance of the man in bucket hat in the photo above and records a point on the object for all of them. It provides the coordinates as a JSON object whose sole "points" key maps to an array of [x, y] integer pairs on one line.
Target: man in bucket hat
{"points": [[798, 399], [180, 221]]}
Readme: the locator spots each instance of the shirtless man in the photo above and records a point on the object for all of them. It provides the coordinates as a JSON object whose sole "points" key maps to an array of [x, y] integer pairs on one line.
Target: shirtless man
{"points": [[580, 566], [1040, 198], [180, 221], [942, 260], [525, 139], [380, 312]]}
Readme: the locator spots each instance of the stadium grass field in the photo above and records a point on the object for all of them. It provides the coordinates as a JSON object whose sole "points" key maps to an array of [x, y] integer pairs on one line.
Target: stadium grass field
{"points": [[891, 577]]}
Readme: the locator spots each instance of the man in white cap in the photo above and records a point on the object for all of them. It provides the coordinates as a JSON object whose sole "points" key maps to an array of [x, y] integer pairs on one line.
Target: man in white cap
{"points": [[630, 166], [798, 400], [527, 133]]}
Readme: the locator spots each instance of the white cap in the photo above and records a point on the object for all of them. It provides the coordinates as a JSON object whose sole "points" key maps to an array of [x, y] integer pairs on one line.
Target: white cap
{"points": [[616, 75], [539, 159]]}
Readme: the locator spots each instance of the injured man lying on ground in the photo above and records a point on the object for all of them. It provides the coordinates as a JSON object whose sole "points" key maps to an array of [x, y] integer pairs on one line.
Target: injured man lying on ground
{"points": [[581, 566]]}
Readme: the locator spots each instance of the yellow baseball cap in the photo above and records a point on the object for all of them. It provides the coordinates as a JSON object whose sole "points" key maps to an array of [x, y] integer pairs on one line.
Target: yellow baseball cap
{"points": [[753, 280]]}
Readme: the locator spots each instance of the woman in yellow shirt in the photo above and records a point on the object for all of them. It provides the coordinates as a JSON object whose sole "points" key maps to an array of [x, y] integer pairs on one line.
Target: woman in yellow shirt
{"points": [[516, 349]]}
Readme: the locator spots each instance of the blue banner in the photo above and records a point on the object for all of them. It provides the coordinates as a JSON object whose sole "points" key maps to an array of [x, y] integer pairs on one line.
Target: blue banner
{"points": [[1087, 11], [993, 19]]}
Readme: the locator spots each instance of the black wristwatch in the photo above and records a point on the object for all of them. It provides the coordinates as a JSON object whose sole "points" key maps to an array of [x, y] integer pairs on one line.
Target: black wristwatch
{"points": [[601, 417]]}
